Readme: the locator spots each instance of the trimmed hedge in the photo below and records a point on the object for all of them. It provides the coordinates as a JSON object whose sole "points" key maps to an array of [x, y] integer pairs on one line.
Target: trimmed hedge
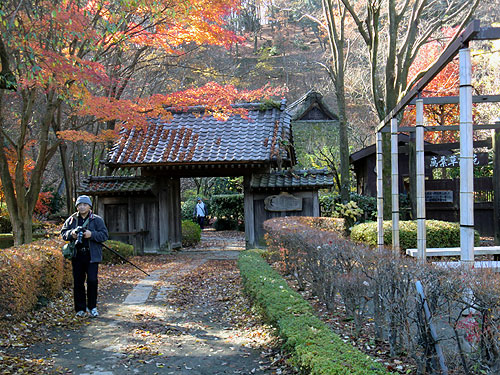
{"points": [[228, 206], [30, 272], [191, 233], [122, 248], [315, 348], [439, 234]]}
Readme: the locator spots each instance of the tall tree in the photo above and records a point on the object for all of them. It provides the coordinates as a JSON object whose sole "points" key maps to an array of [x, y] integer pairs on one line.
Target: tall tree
{"points": [[64, 55], [394, 31], [335, 16]]}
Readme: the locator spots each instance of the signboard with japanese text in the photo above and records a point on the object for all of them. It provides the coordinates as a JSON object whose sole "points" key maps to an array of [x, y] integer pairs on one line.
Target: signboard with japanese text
{"points": [[439, 196], [451, 161]]}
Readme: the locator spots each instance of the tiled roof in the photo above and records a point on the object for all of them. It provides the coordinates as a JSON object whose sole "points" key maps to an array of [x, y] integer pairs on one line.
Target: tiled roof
{"points": [[300, 179], [116, 185], [191, 138], [311, 106]]}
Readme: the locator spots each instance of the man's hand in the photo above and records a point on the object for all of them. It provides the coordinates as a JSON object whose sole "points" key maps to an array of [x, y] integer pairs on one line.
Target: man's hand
{"points": [[87, 234]]}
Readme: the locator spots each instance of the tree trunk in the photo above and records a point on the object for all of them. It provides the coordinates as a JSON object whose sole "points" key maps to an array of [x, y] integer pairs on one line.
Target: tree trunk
{"points": [[337, 74], [68, 184]]}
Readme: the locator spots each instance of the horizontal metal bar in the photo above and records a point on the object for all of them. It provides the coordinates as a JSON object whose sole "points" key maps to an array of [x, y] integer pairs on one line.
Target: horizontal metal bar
{"points": [[488, 33], [438, 100], [409, 129]]}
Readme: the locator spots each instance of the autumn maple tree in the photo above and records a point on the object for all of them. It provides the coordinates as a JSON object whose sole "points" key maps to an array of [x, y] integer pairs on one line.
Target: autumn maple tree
{"points": [[446, 83], [68, 63]]}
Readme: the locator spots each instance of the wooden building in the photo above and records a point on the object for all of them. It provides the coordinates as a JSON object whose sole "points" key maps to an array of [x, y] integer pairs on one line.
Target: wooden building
{"points": [[441, 195], [145, 209], [363, 163]]}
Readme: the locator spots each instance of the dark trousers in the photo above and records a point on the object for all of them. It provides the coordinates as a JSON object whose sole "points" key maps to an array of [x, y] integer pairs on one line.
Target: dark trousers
{"points": [[201, 221], [83, 271]]}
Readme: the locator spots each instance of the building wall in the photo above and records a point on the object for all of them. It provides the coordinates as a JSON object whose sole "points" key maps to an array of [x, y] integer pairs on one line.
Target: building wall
{"points": [[149, 222]]}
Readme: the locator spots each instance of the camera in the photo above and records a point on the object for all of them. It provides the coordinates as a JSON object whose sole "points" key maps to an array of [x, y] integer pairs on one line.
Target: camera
{"points": [[79, 234]]}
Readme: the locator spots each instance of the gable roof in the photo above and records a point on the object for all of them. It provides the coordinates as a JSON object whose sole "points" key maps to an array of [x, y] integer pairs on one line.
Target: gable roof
{"points": [[191, 138], [311, 106], [116, 185], [308, 179]]}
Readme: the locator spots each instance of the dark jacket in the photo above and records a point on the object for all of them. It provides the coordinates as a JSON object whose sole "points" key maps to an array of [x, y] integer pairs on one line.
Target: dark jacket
{"points": [[99, 234]]}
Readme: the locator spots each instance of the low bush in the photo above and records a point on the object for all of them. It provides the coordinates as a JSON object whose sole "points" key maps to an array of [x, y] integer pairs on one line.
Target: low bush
{"points": [[191, 233], [439, 234], [379, 292], [328, 205], [30, 272], [125, 250], [315, 348], [225, 224], [227, 206]]}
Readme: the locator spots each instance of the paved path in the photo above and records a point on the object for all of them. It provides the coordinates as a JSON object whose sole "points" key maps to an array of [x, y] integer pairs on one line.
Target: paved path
{"points": [[142, 334]]}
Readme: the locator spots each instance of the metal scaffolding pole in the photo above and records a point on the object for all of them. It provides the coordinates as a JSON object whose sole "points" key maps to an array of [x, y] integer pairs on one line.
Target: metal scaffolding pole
{"points": [[419, 134], [380, 193], [466, 160], [395, 186]]}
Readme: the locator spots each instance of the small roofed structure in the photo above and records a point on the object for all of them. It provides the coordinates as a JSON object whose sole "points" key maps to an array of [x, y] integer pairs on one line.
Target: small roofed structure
{"points": [[283, 193], [189, 145], [311, 107], [130, 207]]}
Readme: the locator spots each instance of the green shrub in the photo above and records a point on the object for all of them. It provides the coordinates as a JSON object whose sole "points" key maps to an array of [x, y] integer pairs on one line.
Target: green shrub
{"points": [[439, 234], [225, 224], [328, 205], [122, 248], [191, 233], [315, 348], [187, 208], [228, 206]]}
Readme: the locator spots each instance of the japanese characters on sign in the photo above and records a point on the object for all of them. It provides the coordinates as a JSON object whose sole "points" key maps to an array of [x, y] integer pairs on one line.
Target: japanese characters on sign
{"points": [[450, 161], [439, 196]]}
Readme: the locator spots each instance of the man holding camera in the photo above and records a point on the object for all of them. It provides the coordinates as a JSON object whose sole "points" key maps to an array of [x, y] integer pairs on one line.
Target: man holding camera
{"points": [[89, 232]]}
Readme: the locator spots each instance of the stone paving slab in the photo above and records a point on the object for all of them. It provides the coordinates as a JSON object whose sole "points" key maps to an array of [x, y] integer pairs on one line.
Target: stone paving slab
{"points": [[180, 342]]}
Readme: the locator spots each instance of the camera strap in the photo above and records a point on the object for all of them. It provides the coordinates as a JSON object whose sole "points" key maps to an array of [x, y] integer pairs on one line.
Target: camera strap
{"points": [[86, 222]]}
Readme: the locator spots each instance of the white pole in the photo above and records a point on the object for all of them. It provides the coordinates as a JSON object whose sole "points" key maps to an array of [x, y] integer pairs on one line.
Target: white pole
{"points": [[380, 193], [419, 135], [466, 161], [395, 186]]}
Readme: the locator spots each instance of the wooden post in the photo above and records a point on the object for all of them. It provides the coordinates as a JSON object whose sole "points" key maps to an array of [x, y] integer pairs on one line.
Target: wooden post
{"points": [[249, 213], [164, 216], [395, 186], [315, 204], [495, 136], [419, 134], [466, 160], [380, 193]]}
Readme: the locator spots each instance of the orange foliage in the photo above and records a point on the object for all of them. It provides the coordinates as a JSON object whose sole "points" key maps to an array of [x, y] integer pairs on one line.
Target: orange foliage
{"points": [[28, 272], [64, 45], [446, 83], [44, 198]]}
